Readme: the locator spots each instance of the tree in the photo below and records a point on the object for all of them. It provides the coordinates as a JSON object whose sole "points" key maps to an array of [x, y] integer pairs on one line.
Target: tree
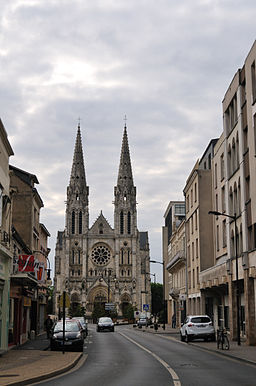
{"points": [[157, 299], [128, 312]]}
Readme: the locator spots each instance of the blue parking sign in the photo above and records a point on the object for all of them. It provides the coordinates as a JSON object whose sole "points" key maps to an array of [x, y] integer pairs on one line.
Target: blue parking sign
{"points": [[145, 307]]}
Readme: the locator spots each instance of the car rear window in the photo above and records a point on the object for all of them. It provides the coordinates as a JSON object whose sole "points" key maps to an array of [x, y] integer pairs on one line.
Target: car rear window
{"points": [[200, 319]]}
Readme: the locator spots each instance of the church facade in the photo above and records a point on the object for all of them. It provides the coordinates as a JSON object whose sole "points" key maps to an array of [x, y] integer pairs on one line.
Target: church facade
{"points": [[100, 264]]}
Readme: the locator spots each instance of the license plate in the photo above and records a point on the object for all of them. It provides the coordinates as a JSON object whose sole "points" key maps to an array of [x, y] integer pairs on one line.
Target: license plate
{"points": [[67, 343], [201, 325]]}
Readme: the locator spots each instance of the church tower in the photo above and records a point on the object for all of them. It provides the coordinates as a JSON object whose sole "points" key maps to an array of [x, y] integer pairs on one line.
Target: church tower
{"points": [[125, 194], [98, 265], [77, 213]]}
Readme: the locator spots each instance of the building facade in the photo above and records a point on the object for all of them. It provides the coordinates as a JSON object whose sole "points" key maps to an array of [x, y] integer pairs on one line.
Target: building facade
{"points": [[5, 236], [100, 264], [175, 263], [233, 275]]}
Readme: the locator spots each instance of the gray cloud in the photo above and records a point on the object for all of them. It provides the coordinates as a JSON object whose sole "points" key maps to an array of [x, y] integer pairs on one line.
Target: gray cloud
{"points": [[165, 64]]}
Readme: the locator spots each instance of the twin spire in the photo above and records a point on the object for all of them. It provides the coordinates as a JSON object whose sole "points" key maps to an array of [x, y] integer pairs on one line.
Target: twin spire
{"points": [[124, 179], [78, 171]]}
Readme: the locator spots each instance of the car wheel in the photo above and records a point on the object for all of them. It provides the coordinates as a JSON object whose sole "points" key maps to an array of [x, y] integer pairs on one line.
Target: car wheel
{"points": [[187, 339], [113, 329], [182, 337], [213, 338]]}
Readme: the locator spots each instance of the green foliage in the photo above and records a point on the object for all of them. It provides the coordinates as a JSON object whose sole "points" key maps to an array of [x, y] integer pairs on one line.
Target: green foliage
{"points": [[128, 312], [76, 310], [98, 311], [157, 298]]}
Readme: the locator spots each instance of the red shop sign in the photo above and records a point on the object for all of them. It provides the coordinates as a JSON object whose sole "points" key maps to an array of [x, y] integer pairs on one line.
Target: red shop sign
{"points": [[26, 263]]}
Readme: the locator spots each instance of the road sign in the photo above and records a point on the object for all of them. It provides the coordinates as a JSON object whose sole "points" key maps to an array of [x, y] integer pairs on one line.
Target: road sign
{"points": [[67, 302], [145, 307], [109, 306]]}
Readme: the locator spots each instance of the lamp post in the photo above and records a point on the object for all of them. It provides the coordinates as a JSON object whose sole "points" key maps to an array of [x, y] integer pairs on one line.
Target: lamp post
{"points": [[215, 213], [160, 262], [48, 269]]}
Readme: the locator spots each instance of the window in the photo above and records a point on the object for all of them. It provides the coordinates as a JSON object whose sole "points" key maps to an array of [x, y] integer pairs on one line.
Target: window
{"points": [[223, 202], [224, 232], [79, 256], [73, 256], [129, 223], [196, 248], [80, 222], [218, 238], [101, 229], [73, 223], [216, 203], [191, 198], [195, 220], [195, 192], [253, 82], [215, 175], [193, 251], [222, 167], [122, 222]]}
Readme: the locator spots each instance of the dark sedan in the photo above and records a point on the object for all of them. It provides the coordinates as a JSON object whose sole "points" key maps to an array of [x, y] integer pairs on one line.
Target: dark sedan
{"points": [[74, 336], [105, 323]]}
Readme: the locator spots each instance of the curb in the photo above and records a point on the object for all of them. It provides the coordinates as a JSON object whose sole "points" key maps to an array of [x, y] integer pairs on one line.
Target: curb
{"points": [[48, 375]]}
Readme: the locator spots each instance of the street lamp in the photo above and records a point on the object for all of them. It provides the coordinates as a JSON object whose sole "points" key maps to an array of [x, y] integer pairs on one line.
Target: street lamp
{"points": [[160, 262], [234, 217], [48, 269]]}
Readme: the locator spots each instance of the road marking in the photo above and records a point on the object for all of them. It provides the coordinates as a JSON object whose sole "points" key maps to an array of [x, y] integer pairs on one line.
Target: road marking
{"points": [[174, 376]]}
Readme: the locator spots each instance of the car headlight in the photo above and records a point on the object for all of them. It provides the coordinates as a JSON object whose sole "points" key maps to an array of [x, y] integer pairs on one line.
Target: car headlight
{"points": [[54, 336], [78, 335]]}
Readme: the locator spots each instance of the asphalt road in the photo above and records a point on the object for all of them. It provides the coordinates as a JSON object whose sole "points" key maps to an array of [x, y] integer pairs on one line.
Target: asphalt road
{"points": [[128, 357]]}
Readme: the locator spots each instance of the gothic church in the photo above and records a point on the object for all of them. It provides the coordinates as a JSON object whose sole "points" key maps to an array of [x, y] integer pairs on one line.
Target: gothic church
{"points": [[100, 264]]}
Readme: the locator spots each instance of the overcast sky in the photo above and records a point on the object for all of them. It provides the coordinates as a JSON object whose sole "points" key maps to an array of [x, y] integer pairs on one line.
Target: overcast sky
{"points": [[164, 64]]}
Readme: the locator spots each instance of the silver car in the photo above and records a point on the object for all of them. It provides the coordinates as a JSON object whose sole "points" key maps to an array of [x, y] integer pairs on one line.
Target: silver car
{"points": [[196, 327]]}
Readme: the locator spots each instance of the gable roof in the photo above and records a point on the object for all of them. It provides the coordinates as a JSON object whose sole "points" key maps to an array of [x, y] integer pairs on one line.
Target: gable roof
{"points": [[101, 224]]}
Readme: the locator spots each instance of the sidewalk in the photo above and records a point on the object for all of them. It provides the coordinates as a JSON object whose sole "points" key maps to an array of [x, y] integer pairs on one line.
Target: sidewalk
{"points": [[243, 353], [32, 363]]}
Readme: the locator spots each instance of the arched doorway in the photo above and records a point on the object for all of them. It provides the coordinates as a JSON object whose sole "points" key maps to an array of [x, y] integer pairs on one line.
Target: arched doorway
{"points": [[97, 299], [125, 303]]}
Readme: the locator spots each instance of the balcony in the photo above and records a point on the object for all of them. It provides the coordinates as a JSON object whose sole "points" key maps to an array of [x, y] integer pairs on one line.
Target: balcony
{"points": [[178, 258]]}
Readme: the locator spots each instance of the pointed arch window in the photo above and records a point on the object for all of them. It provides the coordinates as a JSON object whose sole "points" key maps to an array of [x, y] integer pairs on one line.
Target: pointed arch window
{"points": [[79, 256], [80, 228], [122, 222], [73, 256], [73, 223], [129, 223]]}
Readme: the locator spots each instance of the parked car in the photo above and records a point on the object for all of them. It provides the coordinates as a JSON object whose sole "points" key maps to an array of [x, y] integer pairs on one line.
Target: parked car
{"points": [[105, 323], [74, 336], [142, 322], [197, 326], [83, 323]]}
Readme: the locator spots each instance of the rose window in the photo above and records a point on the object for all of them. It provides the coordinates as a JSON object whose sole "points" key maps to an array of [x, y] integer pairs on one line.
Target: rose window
{"points": [[101, 255]]}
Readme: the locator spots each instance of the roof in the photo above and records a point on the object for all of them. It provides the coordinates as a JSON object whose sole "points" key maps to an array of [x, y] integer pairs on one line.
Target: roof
{"points": [[27, 177]]}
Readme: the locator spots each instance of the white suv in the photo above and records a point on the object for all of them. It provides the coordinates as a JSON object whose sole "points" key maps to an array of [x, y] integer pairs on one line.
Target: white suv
{"points": [[196, 327]]}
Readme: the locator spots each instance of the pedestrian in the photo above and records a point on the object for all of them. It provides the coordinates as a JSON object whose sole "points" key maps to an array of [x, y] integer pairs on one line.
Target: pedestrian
{"points": [[48, 325], [173, 321]]}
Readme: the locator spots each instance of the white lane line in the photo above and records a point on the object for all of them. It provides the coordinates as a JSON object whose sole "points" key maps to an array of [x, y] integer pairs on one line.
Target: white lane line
{"points": [[174, 376]]}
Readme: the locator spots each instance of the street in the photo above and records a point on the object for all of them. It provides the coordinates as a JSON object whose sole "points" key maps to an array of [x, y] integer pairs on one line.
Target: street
{"points": [[131, 357]]}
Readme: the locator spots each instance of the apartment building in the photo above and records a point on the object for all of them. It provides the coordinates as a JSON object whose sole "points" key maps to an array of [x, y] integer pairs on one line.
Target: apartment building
{"points": [[199, 236], [234, 196]]}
